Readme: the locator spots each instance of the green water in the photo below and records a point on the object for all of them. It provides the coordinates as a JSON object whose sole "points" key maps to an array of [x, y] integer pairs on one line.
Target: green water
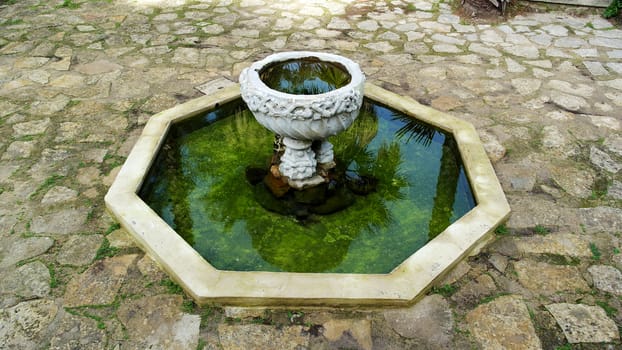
{"points": [[308, 76], [198, 186]]}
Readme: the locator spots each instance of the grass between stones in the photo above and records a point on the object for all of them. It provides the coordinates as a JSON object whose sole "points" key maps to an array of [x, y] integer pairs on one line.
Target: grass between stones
{"points": [[541, 230], [490, 298], [596, 254], [564, 347], [54, 283], [105, 250], [111, 162], [502, 230], [111, 228], [46, 185], [68, 4], [610, 310], [171, 286], [13, 21], [446, 290], [188, 306], [558, 259], [83, 313]]}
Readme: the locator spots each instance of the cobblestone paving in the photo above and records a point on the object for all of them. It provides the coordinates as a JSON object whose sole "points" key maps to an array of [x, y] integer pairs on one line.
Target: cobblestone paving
{"points": [[78, 80]]}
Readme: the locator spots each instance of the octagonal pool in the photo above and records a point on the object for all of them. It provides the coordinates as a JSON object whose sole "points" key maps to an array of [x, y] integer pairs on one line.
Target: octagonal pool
{"points": [[404, 284], [199, 185]]}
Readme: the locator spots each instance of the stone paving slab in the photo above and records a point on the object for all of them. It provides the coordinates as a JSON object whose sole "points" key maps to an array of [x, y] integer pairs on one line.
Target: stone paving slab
{"points": [[79, 79], [503, 323], [583, 323]]}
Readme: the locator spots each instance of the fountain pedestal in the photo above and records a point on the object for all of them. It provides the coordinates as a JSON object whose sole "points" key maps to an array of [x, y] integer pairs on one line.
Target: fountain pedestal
{"points": [[299, 163], [304, 119]]}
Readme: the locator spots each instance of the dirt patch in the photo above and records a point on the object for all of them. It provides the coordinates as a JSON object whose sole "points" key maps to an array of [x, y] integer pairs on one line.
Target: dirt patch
{"points": [[484, 12], [479, 10], [471, 11]]}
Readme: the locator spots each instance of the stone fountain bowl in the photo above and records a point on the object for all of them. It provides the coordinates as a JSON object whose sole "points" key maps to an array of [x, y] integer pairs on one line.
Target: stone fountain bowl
{"points": [[303, 117]]}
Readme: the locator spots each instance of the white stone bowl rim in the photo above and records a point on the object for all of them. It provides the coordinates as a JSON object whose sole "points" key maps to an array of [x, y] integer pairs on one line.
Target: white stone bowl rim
{"points": [[357, 78]]}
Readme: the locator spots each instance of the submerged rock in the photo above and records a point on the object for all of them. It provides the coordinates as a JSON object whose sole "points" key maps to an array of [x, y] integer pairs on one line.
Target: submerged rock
{"points": [[341, 200], [277, 186], [337, 194], [362, 184], [313, 195]]}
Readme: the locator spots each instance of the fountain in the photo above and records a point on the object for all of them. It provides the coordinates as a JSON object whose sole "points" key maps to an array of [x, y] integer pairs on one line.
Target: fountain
{"points": [[305, 111], [405, 191]]}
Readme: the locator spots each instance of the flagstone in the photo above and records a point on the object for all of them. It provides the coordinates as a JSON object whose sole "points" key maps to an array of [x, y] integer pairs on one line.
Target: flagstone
{"points": [[99, 284]]}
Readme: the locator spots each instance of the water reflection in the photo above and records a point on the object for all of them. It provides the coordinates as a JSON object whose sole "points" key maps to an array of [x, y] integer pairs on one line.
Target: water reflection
{"points": [[449, 171], [197, 185], [413, 129], [308, 76]]}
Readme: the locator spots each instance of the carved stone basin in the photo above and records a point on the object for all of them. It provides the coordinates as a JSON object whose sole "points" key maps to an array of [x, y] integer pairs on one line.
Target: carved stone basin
{"points": [[303, 112]]}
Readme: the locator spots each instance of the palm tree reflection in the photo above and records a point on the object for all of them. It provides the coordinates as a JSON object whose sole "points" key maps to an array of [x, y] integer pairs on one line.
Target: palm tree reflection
{"points": [[308, 76], [449, 172], [201, 191], [413, 129]]}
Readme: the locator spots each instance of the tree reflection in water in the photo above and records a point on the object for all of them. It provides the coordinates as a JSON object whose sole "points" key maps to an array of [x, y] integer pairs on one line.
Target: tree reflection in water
{"points": [[449, 171], [308, 76], [197, 185]]}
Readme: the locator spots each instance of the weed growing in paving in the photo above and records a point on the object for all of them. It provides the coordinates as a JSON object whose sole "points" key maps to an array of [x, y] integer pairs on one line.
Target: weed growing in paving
{"points": [[610, 310], [171, 287], [613, 9], [13, 21], [295, 317], [187, 306], [490, 298], [69, 4], [113, 161], [260, 320], [72, 103], [541, 230], [206, 316], [597, 194], [84, 313], [446, 290], [595, 252], [502, 230], [105, 250], [90, 215], [53, 280], [47, 184], [112, 228]]}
